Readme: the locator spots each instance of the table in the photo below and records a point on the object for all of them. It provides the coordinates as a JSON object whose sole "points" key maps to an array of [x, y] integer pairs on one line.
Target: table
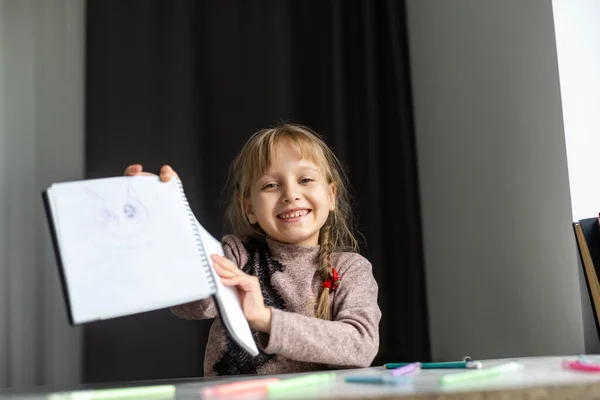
{"points": [[541, 378]]}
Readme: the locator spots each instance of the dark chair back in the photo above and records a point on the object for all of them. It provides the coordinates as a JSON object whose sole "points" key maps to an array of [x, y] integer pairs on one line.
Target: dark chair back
{"points": [[587, 234]]}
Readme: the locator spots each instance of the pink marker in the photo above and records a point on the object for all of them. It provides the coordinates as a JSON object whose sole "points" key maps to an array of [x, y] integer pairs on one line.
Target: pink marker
{"points": [[407, 369], [241, 386], [581, 366]]}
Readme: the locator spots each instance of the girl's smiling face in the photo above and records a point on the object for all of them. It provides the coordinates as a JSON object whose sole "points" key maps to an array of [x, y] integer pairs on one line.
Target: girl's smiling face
{"points": [[292, 200]]}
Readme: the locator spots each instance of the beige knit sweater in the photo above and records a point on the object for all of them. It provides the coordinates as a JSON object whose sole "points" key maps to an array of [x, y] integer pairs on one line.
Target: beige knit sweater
{"points": [[298, 341]]}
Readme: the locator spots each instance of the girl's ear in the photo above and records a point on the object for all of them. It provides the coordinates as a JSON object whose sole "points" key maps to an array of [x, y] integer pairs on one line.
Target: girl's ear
{"points": [[249, 212], [331, 196]]}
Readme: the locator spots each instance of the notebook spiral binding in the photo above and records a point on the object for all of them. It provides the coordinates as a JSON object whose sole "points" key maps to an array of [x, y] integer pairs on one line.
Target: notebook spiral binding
{"points": [[198, 238]]}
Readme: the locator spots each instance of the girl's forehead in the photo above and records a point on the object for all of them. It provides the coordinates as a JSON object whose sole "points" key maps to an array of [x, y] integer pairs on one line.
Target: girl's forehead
{"points": [[306, 151], [295, 152], [290, 163]]}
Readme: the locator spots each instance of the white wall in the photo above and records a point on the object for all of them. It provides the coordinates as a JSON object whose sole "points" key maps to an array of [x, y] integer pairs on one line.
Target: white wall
{"points": [[502, 279], [41, 141], [577, 25]]}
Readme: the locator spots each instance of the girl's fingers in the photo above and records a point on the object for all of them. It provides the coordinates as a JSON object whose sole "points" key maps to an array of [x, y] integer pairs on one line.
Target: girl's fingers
{"points": [[228, 281], [245, 282], [225, 263], [223, 273], [167, 173], [134, 169], [231, 275], [137, 170]]}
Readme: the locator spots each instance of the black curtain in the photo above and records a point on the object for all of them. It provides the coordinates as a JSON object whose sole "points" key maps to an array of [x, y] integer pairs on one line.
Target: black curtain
{"points": [[185, 82]]}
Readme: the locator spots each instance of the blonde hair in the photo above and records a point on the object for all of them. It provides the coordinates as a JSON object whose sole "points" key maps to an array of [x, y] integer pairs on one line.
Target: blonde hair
{"points": [[253, 161]]}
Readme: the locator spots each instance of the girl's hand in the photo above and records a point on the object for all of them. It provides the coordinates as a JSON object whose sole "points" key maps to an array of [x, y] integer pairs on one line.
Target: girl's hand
{"points": [[251, 298], [166, 172]]}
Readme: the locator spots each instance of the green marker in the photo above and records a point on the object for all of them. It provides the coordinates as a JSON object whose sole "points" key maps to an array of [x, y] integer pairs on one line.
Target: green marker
{"points": [[480, 374], [439, 365], [299, 382], [144, 392]]}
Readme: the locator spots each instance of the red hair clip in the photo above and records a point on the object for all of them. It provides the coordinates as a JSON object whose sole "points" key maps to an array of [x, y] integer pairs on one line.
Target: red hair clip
{"points": [[334, 282]]}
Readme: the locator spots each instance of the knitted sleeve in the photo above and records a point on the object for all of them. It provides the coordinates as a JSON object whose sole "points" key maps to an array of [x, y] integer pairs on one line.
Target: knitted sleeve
{"points": [[206, 309], [351, 339]]}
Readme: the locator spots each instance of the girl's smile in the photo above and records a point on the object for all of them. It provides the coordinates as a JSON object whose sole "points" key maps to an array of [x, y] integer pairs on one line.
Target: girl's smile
{"points": [[293, 215]]}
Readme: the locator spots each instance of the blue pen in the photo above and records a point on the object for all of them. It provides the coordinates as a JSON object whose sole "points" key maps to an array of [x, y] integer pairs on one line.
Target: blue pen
{"points": [[378, 379]]}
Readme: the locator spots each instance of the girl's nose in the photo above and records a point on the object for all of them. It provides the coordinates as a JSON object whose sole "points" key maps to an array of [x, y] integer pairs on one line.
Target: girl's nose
{"points": [[290, 194], [291, 199]]}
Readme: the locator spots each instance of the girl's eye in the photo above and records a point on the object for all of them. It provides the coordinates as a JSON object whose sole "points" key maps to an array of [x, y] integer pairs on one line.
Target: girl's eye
{"points": [[306, 180], [270, 186]]}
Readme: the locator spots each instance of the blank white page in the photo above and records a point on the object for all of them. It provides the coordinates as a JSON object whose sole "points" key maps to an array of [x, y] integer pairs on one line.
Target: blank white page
{"points": [[127, 246], [228, 300]]}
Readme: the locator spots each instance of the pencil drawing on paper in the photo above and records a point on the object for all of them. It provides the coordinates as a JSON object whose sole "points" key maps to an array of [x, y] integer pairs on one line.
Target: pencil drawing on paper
{"points": [[123, 218]]}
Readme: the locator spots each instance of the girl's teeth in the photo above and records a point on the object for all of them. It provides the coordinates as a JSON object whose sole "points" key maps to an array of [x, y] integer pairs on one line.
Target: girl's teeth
{"points": [[294, 214]]}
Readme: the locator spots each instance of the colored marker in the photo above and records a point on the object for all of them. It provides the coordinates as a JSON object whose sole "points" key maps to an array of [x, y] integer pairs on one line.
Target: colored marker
{"points": [[300, 382], [378, 379], [241, 386], [582, 366], [407, 369], [439, 365], [143, 392], [481, 374]]}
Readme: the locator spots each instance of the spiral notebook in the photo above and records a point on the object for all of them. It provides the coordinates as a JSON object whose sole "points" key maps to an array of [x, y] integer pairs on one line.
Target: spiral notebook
{"points": [[128, 245]]}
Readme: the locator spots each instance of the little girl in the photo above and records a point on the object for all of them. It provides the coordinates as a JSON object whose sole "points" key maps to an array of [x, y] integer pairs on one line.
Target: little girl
{"points": [[309, 298]]}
